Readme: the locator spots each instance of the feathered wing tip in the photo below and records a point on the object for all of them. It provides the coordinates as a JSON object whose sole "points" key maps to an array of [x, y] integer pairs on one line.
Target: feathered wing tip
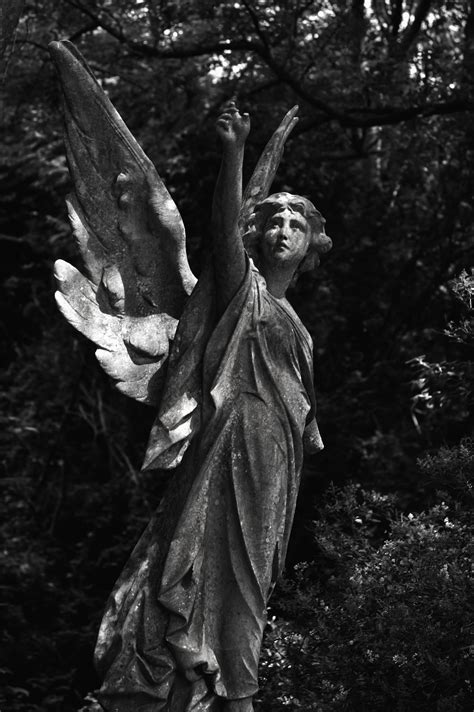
{"points": [[129, 233], [119, 197], [262, 178]]}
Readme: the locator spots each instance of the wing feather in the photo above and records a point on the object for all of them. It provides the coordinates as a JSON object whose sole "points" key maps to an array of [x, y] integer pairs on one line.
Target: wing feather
{"points": [[131, 349], [112, 177], [130, 235], [77, 300], [262, 178]]}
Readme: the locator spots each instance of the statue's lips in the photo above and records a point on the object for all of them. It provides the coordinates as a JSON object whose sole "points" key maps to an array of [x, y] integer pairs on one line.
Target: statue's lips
{"points": [[283, 247]]}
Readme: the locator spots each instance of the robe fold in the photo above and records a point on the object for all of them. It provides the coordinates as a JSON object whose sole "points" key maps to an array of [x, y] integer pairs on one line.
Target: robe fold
{"points": [[184, 624]]}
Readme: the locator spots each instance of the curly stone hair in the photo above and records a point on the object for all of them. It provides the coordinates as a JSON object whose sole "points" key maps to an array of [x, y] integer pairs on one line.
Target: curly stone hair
{"points": [[319, 242]]}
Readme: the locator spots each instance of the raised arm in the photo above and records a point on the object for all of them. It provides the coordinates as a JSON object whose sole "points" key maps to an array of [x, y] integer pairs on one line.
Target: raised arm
{"points": [[228, 250]]}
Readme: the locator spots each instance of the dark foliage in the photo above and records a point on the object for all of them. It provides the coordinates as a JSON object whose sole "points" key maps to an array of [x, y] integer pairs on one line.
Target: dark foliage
{"points": [[378, 626], [377, 612]]}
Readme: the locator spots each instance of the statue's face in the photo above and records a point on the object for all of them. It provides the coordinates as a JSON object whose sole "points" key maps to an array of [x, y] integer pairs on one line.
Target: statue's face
{"points": [[285, 238]]}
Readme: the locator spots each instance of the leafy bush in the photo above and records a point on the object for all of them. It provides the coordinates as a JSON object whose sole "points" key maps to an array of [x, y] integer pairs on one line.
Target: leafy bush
{"points": [[384, 627], [451, 472]]}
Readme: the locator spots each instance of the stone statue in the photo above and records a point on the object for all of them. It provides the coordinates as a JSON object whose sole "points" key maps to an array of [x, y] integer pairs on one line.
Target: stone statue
{"points": [[235, 404]]}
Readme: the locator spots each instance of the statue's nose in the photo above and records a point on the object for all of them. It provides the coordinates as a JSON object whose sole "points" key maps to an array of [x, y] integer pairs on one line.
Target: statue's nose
{"points": [[285, 230]]}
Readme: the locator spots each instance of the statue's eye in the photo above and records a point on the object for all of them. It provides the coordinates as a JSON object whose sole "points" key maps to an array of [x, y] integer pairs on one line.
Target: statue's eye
{"points": [[296, 225]]}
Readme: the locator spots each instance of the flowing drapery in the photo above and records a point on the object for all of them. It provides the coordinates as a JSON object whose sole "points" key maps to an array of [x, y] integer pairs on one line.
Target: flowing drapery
{"points": [[191, 602]]}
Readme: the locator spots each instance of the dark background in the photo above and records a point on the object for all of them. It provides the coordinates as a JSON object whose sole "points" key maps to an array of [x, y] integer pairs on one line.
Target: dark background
{"points": [[375, 612]]}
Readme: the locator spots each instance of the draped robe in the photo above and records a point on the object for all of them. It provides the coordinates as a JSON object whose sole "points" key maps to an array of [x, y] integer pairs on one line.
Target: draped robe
{"points": [[184, 623]]}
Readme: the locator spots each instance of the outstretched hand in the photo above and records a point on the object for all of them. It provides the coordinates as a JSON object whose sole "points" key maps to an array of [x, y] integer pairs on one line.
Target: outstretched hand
{"points": [[232, 126]]}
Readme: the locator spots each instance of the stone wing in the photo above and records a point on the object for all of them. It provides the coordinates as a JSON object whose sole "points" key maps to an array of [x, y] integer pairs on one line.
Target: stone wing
{"points": [[137, 277], [262, 178]]}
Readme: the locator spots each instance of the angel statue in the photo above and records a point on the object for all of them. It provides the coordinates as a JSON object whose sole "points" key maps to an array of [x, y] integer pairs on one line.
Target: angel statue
{"points": [[227, 364]]}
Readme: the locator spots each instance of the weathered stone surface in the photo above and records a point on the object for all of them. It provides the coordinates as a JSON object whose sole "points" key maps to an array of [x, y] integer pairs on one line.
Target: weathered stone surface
{"points": [[183, 626], [130, 235]]}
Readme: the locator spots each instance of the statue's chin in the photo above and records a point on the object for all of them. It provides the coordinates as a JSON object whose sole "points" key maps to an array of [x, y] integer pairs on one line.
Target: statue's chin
{"points": [[278, 261]]}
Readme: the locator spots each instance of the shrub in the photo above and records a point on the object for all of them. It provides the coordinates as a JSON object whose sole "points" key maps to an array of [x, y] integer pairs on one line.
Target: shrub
{"points": [[389, 627]]}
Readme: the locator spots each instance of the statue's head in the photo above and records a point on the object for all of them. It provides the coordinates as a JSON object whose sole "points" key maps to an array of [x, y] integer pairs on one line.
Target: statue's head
{"points": [[286, 229]]}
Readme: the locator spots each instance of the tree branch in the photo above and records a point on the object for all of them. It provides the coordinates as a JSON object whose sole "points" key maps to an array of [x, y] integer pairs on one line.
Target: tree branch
{"points": [[38, 45], [396, 16], [256, 24], [214, 48], [468, 56], [83, 31], [11, 12], [388, 115], [350, 117], [146, 50], [291, 81], [412, 31]]}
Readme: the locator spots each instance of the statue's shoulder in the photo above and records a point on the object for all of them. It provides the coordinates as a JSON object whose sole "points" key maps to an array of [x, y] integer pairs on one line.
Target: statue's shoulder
{"points": [[281, 307], [301, 331]]}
